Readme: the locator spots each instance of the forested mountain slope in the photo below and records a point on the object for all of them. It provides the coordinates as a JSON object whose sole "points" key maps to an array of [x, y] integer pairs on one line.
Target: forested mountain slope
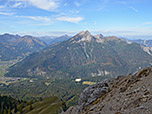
{"points": [[84, 55], [15, 46]]}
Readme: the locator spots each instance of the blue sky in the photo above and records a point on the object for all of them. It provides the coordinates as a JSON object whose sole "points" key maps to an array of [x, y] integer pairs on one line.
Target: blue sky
{"points": [[128, 18]]}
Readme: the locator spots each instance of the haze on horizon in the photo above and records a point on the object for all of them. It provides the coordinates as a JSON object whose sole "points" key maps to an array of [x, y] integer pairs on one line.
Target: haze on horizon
{"points": [[131, 18]]}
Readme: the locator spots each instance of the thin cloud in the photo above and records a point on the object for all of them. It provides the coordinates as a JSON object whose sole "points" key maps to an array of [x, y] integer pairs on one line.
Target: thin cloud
{"points": [[49, 5], [7, 14], [104, 4], [70, 19], [18, 5], [130, 7], [2, 6], [46, 33], [74, 11], [66, 4], [134, 9], [127, 31], [37, 18], [94, 23], [77, 3], [148, 23], [45, 4]]}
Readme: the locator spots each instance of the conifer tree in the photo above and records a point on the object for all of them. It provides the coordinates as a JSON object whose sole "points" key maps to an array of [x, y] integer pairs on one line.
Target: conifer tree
{"points": [[9, 111], [4, 111], [31, 107]]}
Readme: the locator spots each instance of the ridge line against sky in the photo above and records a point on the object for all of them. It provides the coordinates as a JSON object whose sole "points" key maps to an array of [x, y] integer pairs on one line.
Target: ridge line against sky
{"points": [[43, 17]]}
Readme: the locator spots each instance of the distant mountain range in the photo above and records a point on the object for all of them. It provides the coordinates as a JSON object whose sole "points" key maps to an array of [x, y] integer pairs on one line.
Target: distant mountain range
{"points": [[84, 55], [15, 46], [147, 43], [54, 39]]}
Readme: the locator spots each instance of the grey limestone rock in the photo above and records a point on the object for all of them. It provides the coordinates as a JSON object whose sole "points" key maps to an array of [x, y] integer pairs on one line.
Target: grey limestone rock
{"points": [[93, 92]]}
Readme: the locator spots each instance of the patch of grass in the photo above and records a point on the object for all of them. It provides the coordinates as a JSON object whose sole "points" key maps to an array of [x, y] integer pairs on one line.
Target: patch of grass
{"points": [[2, 73], [3, 69], [4, 65], [46, 83], [3, 61], [88, 83], [51, 105]]}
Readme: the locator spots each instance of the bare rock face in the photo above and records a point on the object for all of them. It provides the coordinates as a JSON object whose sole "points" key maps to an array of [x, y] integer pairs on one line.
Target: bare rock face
{"points": [[71, 110], [85, 36], [130, 94], [82, 36], [93, 92]]}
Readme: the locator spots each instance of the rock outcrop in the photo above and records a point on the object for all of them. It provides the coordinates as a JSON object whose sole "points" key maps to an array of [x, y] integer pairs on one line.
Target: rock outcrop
{"points": [[130, 94], [92, 93]]}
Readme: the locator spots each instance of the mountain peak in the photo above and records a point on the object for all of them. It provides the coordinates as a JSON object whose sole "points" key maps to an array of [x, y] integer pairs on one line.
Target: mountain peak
{"points": [[84, 33], [64, 35], [82, 36], [9, 35], [28, 36], [99, 36], [86, 36]]}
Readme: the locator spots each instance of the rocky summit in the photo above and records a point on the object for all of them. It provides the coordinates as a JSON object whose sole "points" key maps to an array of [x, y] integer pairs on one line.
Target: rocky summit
{"points": [[130, 94]]}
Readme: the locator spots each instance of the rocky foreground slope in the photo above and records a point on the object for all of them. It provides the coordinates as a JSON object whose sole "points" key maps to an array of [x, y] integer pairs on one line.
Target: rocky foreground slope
{"points": [[130, 94]]}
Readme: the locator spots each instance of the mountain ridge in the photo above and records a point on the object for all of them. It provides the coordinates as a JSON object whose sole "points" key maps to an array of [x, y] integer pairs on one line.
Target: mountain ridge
{"points": [[50, 40], [83, 55], [15, 46]]}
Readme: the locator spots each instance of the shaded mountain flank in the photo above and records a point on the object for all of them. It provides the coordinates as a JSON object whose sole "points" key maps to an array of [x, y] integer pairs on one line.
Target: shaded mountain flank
{"points": [[145, 44], [130, 94], [49, 105], [84, 55], [15, 46]]}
